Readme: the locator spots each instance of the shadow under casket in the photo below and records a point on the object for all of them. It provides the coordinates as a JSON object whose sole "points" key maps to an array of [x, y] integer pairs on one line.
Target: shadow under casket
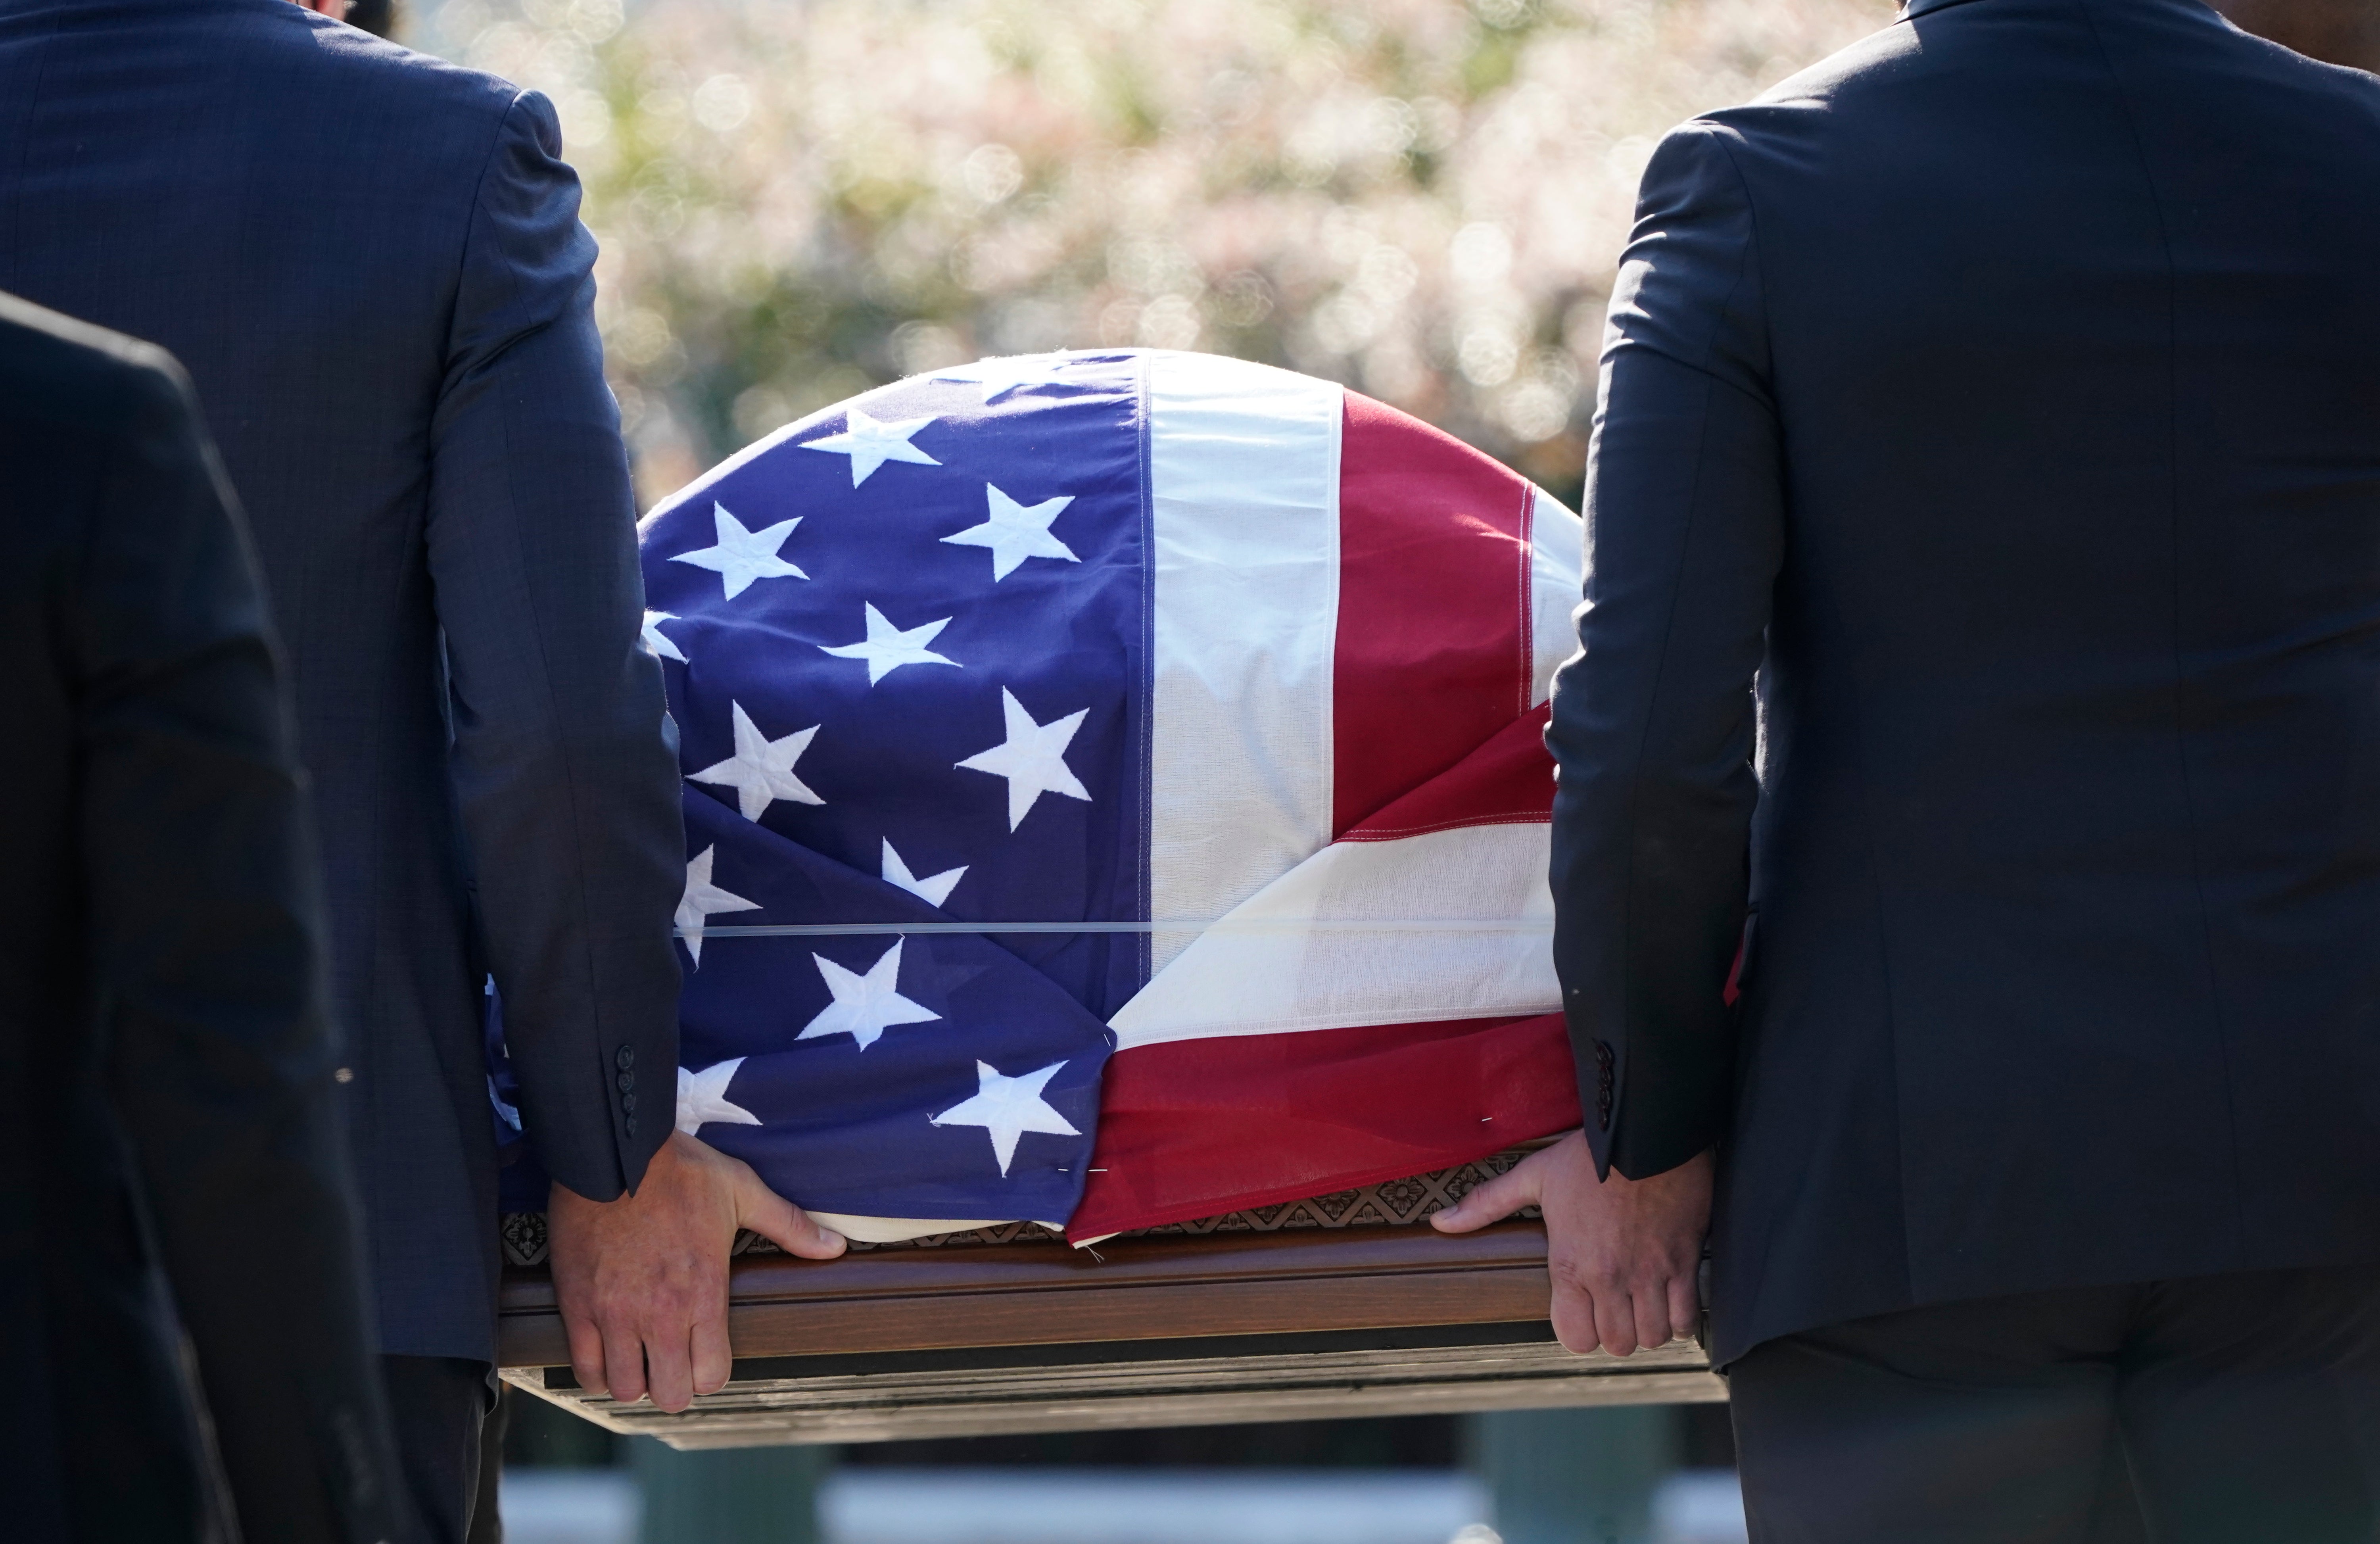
{"points": [[1341, 1306]]}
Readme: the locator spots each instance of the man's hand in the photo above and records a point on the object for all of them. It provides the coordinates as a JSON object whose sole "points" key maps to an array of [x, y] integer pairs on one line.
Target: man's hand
{"points": [[642, 1281], [1624, 1254]]}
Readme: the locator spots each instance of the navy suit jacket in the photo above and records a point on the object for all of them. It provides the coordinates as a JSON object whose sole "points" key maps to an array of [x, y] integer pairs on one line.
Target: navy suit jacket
{"points": [[166, 1091], [371, 266], [2003, 396]]}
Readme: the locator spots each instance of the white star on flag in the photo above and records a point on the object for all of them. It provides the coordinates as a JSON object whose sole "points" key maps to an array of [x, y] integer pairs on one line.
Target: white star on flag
{"points": [[887, 648], [702, 1097], [761, 770], [872, 441], [1033, 757], [1007, 1108], [743, 555], [703, 899], [1016, 531], [656, 641], [864, 1006], [1010, 371], [933, 890]]}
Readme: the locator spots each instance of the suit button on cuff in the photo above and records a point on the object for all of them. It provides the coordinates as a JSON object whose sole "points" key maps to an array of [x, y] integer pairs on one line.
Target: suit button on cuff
{"points": [[627, 1082], [628, 1102], [629, 1125], [627, 1058]]}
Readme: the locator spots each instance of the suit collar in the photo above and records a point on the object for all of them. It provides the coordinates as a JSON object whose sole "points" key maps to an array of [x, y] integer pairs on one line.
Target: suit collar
{"points": [[1912, 9]]}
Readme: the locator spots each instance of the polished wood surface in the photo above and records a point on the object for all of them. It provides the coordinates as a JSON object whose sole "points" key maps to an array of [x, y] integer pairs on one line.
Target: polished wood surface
{"points": [[1127, 1289]]}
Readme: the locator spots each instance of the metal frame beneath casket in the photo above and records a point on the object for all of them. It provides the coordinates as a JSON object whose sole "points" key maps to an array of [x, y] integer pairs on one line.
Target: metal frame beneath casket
{"points": [[1343, 1306]]}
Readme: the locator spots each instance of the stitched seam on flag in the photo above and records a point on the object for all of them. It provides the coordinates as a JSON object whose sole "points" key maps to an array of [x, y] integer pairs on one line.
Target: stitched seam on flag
{"points": [[1144, 947], [1335, 526], [1387, 834], [1528, 593], [1353, 1018], [1234, 924]]}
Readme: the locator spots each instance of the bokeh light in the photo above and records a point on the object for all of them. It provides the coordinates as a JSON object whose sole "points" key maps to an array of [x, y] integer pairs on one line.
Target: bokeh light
{"points": [[801, 198]]}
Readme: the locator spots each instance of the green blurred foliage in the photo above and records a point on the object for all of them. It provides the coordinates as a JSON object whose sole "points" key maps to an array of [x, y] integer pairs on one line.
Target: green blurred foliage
{"points": [[799, 199]]}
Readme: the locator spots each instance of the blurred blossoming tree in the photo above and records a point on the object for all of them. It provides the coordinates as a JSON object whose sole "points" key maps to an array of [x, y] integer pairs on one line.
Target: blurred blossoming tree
{"points": [[800, 198]]}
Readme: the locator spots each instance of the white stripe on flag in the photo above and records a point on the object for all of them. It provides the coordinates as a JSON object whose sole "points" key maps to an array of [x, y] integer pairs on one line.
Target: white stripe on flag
{"points": [[1557, 560], [1243, 486], [1277, 978], [900, 1230]]}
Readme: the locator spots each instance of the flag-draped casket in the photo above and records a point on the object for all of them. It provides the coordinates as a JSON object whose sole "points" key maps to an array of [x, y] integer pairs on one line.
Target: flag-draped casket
{"points": [[1114, 794]]}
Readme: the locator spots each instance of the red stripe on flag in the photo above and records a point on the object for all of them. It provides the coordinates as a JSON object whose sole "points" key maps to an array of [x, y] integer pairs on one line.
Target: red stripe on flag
{"points": [[1433, 646], [1509, 780], [1195, 1129]]}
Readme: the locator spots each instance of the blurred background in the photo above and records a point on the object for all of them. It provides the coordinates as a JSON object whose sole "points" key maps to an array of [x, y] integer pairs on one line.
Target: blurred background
{"points": [[798, 200], [1623, 1476]]}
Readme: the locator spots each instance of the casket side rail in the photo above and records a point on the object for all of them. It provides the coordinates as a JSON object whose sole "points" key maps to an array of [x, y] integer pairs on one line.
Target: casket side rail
{"points": [[1238, 1319]]}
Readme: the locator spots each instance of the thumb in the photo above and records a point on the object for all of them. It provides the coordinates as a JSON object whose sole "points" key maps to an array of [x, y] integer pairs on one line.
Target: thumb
{"points": [[1494, 1201], [780, 1220]]}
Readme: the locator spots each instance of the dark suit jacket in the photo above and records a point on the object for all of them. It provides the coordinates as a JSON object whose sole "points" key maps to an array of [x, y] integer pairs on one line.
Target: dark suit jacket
{"points": [[165, 1052], [371, 265], [2004, 393]]}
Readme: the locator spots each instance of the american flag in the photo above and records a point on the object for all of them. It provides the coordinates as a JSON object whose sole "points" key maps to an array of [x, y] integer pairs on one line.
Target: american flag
{"points": [[1114, 794]]}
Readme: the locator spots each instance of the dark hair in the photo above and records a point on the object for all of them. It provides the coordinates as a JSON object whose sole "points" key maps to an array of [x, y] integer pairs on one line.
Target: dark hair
{"points": [[376, 17]]}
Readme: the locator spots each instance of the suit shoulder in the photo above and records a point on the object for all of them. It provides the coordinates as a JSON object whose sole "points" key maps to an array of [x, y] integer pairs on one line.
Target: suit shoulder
{"points": [[73, 376], [1807, 101], [1880, 58], [359, 67], [2350, 96]]}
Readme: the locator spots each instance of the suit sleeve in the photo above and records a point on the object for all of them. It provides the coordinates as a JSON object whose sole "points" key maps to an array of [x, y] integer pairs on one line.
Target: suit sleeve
{"points": [[563, 766], [208, 940], [1653, 723]]}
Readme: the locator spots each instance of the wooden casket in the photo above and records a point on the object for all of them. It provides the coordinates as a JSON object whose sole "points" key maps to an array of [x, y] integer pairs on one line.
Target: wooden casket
{"points": [[1282, 925], [1341, 1306]]}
